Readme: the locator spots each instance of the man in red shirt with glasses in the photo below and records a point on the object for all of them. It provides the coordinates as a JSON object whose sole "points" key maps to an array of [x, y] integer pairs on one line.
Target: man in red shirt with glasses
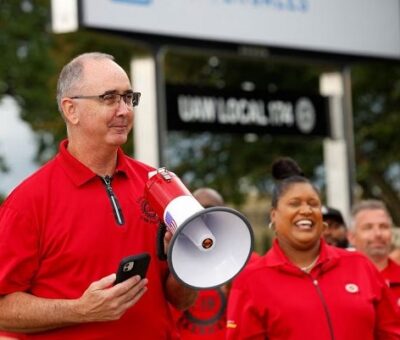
{"points": [[64, 230]]}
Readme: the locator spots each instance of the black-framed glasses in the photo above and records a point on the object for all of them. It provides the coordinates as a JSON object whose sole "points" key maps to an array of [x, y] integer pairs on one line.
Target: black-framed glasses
{"points": [[130, 98]]}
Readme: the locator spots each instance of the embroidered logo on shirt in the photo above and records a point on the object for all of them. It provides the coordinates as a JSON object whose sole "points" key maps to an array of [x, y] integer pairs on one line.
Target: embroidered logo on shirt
{"points": [[231, 324], [148, 214], [351, 288], [207, 315]]}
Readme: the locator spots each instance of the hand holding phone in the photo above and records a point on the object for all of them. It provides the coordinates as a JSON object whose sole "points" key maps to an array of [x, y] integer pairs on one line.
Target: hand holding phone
{"points": [[131, 266]]}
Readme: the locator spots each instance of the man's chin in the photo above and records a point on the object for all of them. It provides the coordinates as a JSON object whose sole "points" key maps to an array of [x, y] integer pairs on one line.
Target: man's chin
{"points": [[118, 140], [378, 252]]}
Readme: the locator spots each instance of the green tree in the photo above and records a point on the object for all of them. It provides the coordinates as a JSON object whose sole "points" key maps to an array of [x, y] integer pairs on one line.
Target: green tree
{"points": [[236, 164], [376, 89], [26, 63], [227, 161], [32, 57]]}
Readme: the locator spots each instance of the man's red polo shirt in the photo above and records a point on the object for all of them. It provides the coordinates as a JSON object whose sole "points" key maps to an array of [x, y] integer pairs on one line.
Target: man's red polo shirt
{"points": [[391, 274], [58, 234]]}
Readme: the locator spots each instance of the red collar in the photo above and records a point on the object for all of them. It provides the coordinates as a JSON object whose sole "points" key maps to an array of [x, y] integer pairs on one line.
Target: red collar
{"points": [[328, 257], [80, 173]]}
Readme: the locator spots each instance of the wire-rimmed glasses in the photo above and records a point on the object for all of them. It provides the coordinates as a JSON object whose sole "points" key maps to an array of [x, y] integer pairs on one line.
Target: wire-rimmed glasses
{"points": [[130, 98]]}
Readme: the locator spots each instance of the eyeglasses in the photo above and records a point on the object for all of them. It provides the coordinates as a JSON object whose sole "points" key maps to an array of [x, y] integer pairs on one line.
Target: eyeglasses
{"points": [[130, 98]]}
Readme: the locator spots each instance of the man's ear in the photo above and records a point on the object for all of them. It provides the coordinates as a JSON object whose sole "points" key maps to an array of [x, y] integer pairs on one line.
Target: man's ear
{"points": [[272, 215], [69, 110], [350, 237]]}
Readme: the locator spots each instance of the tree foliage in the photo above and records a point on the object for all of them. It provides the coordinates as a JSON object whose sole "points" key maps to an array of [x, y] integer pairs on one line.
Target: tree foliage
{"points": [[376, 89], [238, 164], [27, 66], [32, 57]]}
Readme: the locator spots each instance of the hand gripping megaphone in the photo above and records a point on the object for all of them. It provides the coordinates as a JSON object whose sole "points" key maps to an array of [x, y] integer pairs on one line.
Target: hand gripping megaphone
{"points": [[209, 246]]}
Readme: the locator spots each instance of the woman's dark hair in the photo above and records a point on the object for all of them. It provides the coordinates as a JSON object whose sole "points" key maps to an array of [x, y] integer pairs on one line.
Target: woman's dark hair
{"points": [[286, 172]]}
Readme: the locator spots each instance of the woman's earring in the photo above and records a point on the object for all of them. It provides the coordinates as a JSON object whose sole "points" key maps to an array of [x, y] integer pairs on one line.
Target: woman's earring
{"points": [[271, 225], [325, 225]]}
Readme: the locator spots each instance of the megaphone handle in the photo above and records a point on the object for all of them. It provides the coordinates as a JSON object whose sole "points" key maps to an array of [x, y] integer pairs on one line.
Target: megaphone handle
{"points": [[162, 228]]}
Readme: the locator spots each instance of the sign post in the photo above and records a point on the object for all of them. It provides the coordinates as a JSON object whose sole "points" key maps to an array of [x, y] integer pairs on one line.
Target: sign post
{"points": [[338, 160]]}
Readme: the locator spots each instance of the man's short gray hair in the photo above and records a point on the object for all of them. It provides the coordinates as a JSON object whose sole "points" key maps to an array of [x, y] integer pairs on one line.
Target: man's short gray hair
{"points": [[72, 73], [370, 204]]}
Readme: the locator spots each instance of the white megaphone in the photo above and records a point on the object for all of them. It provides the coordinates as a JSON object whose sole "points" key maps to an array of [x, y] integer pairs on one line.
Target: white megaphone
{"points": [[209, 246]]}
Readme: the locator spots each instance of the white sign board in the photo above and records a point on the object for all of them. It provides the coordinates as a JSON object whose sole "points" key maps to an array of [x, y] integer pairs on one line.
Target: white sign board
{"points": [[64, 16], [368, 28]]}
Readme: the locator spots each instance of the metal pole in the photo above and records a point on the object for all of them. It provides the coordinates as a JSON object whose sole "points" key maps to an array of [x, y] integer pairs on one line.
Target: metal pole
{"points": [[348, 127]]}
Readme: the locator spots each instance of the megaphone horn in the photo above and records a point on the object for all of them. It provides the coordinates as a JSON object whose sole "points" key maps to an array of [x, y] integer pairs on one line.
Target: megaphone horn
{"points": [[209, 246]]}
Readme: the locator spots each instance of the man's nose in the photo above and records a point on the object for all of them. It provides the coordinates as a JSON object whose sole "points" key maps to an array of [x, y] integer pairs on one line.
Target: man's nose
{"points": [[123, 107], [377, 231]]}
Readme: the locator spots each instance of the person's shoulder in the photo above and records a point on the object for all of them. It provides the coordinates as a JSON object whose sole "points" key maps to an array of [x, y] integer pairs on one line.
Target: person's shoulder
{"points": [[137, 166], [349, 252], [252, 268], [35, 179], [136, 162], [254, 261], [254, 256], [394, 266], [30, 188], [356, 260]]}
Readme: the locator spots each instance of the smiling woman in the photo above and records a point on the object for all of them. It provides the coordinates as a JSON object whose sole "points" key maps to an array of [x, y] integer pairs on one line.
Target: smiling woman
{"points": [[296, 213], [17, 146], [303, 288]]}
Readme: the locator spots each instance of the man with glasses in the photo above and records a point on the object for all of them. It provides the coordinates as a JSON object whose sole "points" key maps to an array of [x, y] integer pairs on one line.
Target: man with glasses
{"points": [[64, 230]]}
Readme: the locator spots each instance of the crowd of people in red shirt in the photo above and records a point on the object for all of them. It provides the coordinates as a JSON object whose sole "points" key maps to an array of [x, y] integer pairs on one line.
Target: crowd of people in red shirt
{"points": [[64, 230]]}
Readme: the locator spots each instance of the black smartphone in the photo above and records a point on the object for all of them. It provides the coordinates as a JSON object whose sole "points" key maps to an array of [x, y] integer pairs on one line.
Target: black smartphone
{"points": [[131, 266]]}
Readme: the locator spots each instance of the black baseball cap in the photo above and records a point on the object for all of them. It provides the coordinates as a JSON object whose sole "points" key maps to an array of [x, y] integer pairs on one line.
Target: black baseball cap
{"points": [[333, 214]]}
